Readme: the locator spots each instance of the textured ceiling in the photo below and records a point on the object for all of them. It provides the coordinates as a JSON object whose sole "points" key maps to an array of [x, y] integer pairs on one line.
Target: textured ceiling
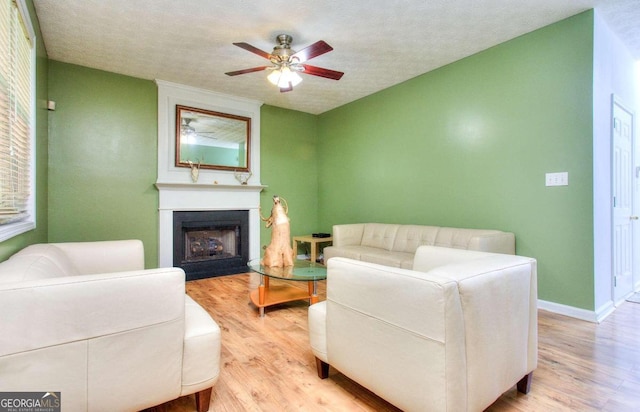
{"points": [[376, 43]]}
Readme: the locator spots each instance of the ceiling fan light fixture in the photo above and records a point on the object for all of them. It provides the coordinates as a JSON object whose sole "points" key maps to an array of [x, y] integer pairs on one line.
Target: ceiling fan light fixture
{"points": [[287, 63], [274, 76], [284, 77], [187, 131]]}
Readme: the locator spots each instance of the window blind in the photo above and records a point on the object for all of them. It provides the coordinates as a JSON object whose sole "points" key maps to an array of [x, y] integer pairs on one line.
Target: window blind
{"points": [[15, 114]]}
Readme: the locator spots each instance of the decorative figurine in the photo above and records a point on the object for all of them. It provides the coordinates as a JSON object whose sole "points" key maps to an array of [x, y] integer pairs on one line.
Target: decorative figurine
{"points": [[279, 252]]}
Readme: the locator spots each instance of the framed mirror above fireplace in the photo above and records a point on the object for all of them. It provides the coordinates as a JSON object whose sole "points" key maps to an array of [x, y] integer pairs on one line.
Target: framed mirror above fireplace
{"points": [[212, 140]]}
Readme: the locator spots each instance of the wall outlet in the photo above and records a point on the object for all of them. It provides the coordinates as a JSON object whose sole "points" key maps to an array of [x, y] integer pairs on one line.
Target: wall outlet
{"points": [[557, 179]]}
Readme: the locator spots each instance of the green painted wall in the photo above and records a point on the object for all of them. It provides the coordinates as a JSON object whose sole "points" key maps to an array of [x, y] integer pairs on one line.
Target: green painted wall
{"points": [[468, 145], [288, 156], [39, 235], [102, 157]]}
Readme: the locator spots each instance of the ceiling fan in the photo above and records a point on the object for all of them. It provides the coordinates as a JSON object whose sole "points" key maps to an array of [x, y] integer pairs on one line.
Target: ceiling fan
{"points": [[288, 63], [187, 130]]}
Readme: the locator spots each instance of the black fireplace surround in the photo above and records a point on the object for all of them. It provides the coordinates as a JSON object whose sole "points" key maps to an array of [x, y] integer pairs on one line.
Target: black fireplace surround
{"points": [[211, 243]]}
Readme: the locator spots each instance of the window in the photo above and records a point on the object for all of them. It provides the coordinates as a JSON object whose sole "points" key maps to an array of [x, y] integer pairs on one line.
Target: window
{"points": [[17, 115]]}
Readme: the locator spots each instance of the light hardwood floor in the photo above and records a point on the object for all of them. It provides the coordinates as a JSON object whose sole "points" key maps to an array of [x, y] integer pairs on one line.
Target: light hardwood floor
{"points": [[267, 364]]}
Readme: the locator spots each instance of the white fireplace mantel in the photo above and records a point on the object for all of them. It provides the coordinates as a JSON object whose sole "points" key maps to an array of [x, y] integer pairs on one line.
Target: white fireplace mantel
{"points": [[203, 188], [186, 197], [215, 189]]}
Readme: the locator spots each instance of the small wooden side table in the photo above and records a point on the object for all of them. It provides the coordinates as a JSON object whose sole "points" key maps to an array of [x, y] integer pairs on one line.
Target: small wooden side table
{"points": [[313, 241]]}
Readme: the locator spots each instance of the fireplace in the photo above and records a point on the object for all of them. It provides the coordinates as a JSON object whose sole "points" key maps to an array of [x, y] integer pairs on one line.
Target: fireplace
{"points": [[211, 242]]}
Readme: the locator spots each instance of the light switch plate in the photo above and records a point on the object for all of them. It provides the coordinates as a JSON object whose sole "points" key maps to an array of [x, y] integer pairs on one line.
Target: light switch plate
{"points": [[557, 179]]}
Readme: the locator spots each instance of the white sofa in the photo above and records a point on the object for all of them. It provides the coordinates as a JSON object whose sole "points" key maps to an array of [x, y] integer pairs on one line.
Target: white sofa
{"points": [[86, 320], [395, 245], [452, 334]]}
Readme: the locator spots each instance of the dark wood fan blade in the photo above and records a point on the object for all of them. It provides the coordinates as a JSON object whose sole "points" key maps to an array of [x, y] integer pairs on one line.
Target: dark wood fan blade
{"points": [[253, 49], [308, 53], [251, 70], [319, 71]]}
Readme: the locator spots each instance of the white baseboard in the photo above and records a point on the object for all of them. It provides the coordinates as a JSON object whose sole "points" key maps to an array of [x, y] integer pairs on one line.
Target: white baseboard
{"points": [[605, 310], [590, 316]]}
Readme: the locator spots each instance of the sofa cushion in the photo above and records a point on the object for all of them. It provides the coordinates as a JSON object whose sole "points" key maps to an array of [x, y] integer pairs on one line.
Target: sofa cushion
{"points": [[351, 251], [379, 235], [35, 262], [431, 257], [461, 238], [372, 255], [409, 237], [387, 258]]}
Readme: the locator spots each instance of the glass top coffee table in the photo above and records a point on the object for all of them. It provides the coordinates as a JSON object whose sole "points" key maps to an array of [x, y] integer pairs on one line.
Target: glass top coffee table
{"points": [[302, 270]]}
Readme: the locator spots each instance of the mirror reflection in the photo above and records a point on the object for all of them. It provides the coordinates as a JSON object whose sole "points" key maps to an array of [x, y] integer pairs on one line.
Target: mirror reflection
{"points": [[211, 139]]}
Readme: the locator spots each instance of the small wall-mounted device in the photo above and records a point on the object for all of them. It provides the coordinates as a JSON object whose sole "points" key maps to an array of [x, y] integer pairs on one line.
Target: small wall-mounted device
{"points": [[51, 105]]}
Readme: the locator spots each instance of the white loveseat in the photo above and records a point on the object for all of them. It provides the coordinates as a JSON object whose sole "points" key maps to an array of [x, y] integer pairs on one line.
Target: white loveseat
{"points": [[86, 320], [395, 245], [452, 334]]}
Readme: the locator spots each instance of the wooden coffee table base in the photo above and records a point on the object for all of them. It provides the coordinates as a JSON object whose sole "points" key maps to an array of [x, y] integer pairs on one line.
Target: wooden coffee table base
{"points": [[267, 295]]}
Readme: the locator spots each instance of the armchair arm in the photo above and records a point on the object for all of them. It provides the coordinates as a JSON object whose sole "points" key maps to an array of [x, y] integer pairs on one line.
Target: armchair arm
{"points": [[498, 242], [498, 294], [55, 311], [105, 256]]}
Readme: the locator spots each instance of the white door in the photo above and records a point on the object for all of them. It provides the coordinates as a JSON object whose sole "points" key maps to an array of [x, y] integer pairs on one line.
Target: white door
{"points": [[622, 134]]}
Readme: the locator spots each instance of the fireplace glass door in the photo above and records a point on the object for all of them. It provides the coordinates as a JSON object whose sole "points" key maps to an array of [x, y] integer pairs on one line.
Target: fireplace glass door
{"points": [[211, 243]]}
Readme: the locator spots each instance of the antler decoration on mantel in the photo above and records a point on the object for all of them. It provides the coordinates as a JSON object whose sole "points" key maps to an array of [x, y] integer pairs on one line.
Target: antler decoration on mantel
{"points": [[243, 178]]}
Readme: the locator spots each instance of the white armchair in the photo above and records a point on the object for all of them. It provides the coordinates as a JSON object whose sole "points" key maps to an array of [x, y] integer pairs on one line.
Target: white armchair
{"points": [[452, 334], [86, 320]]}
